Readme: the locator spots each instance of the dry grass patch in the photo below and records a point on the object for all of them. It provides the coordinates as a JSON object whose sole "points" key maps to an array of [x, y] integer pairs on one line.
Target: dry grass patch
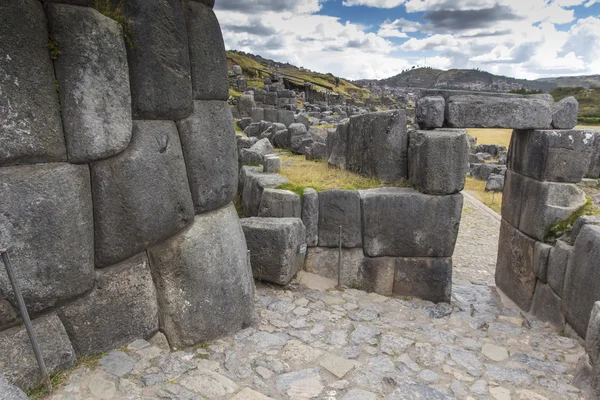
{"points": [[476, 188], [491, 136], [303, 173]]}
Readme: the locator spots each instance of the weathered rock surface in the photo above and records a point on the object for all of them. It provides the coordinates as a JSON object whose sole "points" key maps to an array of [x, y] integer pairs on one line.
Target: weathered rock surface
{"points": [[10, 392], [592, 337], [512, 197], [377, 275], [285, 117], [323, 261], [378, 145], [121, 308], [564, 113], [541, 257], [141, 196], [209, 148], [17, 361], [339, 208], [557, 266], [246, 105], [203, 279], [271, 164], [401, 222], [425, 278], [30, 123], [515, 269], [594, 168], [582, 280], [546, 203], [310, 216], [47, 226], [207, 52], [546, 305], [496, 112], [551, 155], [277, 247], [159, 61], [93, 82], [438, 160], [254, 185], [495, 183], [430, 112], [339, 145], [277, 203]]}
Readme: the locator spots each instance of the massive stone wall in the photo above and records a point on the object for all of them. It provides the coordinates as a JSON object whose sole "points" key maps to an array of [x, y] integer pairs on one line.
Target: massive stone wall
{"points": [[118, 166]]}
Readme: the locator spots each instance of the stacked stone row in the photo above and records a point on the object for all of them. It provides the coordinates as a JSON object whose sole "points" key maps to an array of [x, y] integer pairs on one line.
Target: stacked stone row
{"points": [[118, 167], [395, 241]]}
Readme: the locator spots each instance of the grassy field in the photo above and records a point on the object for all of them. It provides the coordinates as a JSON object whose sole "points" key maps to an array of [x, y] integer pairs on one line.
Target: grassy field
{"points": [[317, 175], [476, 189], [491, 136]]}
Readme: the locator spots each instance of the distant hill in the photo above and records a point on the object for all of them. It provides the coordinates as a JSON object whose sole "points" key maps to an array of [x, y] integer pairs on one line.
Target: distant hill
{"points": [[250, 61], [587, 81]]}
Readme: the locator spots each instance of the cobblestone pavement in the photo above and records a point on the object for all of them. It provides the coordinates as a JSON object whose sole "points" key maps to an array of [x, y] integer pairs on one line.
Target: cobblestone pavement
{"points": [[349, 345]]}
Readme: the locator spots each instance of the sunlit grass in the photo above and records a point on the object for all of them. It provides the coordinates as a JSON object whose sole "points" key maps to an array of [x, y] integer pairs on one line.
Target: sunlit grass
{"points": [[491, 136], [476, 188]]}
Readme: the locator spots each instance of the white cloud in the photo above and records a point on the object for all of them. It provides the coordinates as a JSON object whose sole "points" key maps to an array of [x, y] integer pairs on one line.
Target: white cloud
{"points": [[373, 3]]}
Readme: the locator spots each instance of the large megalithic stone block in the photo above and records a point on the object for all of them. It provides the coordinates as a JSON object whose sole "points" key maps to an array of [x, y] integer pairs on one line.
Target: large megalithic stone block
{"points": [[207, 52], [378, 145], [17, 361], [558, 259], [546, 305], [11, 392], [430, 112], [46, 223], [323, 261], [594, 168], [565, 113], [277, 247], [401, 222], [340, 208], [93, 82], [551, 155], [582, 280], [515, 274], [203, 279], [425, 278], [544, 204], [512, 197], [339, 145], [438, 160], [277, 203], [141, 196], [310, 216], [592, 337], [498, 112], [210, 151], [121, 308], [254, 186], [159, 60], [30, 124]]}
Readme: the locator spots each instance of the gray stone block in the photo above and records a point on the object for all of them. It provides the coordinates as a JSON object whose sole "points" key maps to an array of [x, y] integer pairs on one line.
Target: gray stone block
{"points": [[203, 280], [263, 147], [246, 105], [246, 170], [580, 223], [438, 160], [564, 113], [316, 151], [277, 203], [10, 392], [495, 183], [541, 254], [17, 361], [285, 117], [251, 157], [254, 185], [401, 222], [310, 216], [121, 308], [582, 280], [546, 305], [340, 207], [339, 146], [244, 122], [378, 145], [159, 61], [378, 275], [551, 155], [545, 204], [271, 164], [594, 168], [270, 115], [587, 377], [430, 112], [93, 80], [47, 226], [512, 197], [257, 114], [496, 112], [302, 118], [592, 337], [277, 247], [425, 278], [8, 314], [271, 99], [141, 196], [515, 274], [557, 266], [30, 124], [323, 261], [207, 53], [209, 148]]}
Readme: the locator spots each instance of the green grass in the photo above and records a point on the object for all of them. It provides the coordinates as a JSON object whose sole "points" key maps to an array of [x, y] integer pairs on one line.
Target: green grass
{"points": [[476, 188], [589, 101], [234, 93], [114, 9], [558, 229]]}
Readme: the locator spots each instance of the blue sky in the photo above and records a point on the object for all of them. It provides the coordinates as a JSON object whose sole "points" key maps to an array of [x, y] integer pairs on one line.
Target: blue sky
{"points": [[379, 38]]}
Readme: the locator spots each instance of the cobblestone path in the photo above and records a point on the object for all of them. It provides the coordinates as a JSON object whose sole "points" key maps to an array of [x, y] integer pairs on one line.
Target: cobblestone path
{"points": [[349, 345]]}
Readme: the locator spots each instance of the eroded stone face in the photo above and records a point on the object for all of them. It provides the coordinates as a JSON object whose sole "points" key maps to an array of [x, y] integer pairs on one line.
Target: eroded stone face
{"points": [[47, 225], [339, 208], [30, 123], [93, 82], [203, 279]]}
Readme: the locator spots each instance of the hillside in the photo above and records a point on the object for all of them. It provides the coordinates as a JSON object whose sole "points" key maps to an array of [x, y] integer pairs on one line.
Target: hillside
{"points": [[588, 81], [589, 102], [250, 61]]}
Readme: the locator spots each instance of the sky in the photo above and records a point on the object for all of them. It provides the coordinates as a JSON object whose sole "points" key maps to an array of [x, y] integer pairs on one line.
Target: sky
{"points": [[375, 39]]}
